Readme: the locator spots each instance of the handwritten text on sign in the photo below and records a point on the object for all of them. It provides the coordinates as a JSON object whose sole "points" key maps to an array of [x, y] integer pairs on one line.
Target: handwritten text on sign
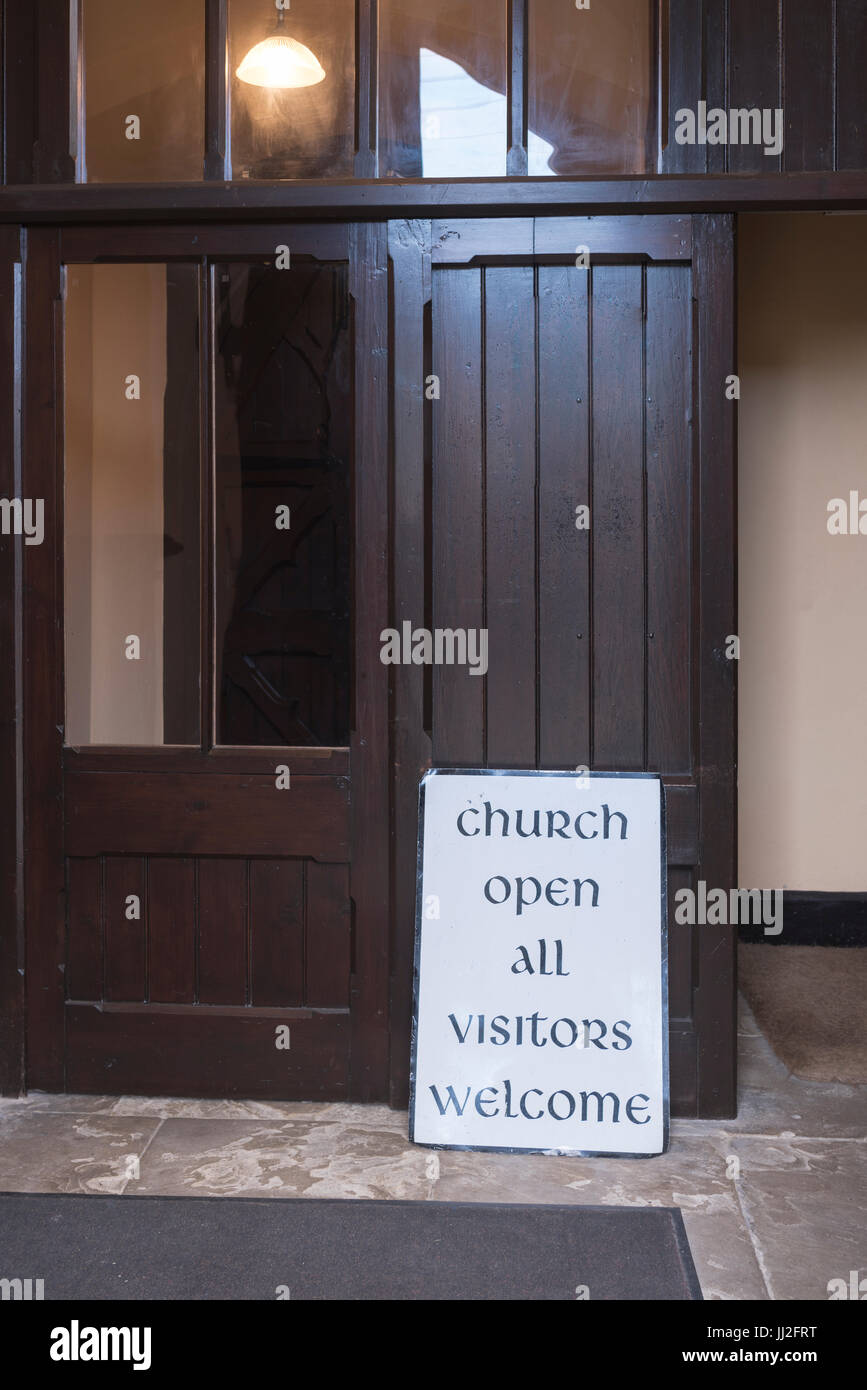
{"points": [[540, 1017]]}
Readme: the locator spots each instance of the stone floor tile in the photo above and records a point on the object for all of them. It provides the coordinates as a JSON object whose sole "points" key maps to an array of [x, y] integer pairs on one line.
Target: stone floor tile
{"points": [[806, 1202], [47, 1152], [339, 1157]]}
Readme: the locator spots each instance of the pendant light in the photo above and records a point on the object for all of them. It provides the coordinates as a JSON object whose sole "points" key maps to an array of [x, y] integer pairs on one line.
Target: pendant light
{"points": [[279, 61]]}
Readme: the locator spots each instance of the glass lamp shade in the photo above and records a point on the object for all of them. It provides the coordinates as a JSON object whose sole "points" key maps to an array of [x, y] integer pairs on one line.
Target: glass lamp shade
{"points": [[280, 62]]}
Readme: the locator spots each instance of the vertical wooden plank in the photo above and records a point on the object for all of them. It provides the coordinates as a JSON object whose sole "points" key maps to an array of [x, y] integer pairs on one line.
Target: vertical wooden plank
{"points": [[713, 291], [808, 84], [754, 76], [668, 453], [277, 932], [409, 253], [715, 72], [457, 548], [42, 452], [366, 56], [84, 965], [370, 749], [52, 157], [684, 84], [171, 896], [20, 99], [327, 935], [516, 89], [564, 485], [125, 937], [682, 1041], [216, 90], [851, 51], [11, 761], [510, 517], [617, 519], [222, 934]]}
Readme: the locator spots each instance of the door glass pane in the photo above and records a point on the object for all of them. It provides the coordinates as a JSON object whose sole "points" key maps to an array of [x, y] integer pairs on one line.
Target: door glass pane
{"points": [[293, 107], [442, 105], [590, 87], [144, 90], [283, 421], [131, 513]]}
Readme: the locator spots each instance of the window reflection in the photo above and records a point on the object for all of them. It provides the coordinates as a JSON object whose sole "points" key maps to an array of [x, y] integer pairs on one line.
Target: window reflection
{"points": [[303, 130], [442, 103], [283, 413], [590, 87]]}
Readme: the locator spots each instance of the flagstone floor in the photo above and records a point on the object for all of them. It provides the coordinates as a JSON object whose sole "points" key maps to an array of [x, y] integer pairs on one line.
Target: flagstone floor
{"points": [[774, 1202]]}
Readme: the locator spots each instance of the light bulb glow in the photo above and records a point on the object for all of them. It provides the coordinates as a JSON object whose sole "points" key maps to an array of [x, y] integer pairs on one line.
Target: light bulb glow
{"points": [[280, 62]]}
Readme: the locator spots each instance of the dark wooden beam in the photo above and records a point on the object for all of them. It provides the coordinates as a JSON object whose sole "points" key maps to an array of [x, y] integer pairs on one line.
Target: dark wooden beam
{"points": [[380, 199]]}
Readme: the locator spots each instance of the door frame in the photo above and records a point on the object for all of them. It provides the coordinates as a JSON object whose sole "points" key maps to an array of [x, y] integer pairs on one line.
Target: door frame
{"points": [[41, 880], [416, 248]]}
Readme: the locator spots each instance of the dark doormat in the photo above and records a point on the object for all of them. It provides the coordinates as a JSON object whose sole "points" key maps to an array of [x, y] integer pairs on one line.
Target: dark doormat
{"points": [[104, 1247]]}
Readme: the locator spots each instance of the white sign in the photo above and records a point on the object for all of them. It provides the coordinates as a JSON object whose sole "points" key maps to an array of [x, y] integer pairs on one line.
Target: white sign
{"points": [[541, 990]]}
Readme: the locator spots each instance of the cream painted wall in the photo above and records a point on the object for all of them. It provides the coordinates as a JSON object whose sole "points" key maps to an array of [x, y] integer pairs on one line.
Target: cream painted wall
{"points": [[114, 503], [802, 674]]}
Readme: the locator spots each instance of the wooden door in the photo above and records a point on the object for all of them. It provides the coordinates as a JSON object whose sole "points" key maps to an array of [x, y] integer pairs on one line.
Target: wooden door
{"points": [[555, 387], [207, 825]]}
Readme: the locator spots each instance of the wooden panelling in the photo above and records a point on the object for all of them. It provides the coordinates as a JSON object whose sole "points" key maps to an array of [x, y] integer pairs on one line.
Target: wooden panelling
{"points": [[11, 762], [222, 931], [578, 386], [808, 54], [510, 520], [458, 510], [277, 932], [42, 429], [370, 745], [84, 941], [564, 485], [754, 75], [668, 448], [207, 1052], [410, 257], [617, 519], [171, 924], [327, 935], [715, 996], [851, 105], [125, 933], [170, 813], [209, 932]]}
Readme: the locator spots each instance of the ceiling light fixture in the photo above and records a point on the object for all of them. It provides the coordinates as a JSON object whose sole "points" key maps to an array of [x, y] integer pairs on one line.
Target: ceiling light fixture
{"points": [[279, 61]]}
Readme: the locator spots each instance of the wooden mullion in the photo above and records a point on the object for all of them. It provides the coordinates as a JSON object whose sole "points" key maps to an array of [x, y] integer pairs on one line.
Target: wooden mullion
{"points": [[516, 95], [217, 145], [366, 60]]}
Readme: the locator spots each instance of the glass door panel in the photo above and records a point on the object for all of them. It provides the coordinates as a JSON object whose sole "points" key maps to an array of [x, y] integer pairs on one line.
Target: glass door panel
{"points": [[283, 440], [131, 523]]}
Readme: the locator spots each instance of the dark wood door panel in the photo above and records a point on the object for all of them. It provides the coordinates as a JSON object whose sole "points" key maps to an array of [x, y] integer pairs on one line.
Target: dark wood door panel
{"points": [[201, 932], [562, 386], [172, 813], [207, 1052]]}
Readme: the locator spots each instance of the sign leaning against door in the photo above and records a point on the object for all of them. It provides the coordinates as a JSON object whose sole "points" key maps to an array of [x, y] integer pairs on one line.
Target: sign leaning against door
{"points": [[540, 1017]]}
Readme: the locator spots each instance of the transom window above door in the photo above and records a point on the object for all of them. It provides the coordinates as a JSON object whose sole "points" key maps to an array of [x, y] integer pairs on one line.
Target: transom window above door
{"points": [[181, 90]]}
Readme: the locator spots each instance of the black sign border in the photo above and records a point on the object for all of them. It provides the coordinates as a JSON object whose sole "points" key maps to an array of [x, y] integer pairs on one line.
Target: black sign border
{"points": [[416, 970]]}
